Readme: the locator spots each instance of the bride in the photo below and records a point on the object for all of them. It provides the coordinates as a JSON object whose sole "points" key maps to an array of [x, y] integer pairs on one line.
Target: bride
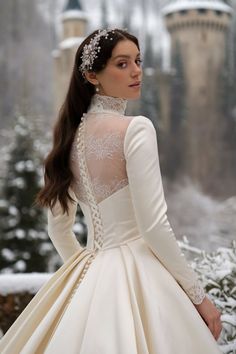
{"points": [[130, 290]]}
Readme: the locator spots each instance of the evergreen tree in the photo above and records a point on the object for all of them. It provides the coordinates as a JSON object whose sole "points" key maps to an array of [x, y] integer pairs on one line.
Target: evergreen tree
{"points": [[150, 105], [149, 57], [104, 14], [174, 148], [24, 244], [227, 89], [126, 20]]}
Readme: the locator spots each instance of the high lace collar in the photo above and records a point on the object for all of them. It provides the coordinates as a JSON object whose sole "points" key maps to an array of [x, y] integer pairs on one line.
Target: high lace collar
{"points": [[107, 104]]}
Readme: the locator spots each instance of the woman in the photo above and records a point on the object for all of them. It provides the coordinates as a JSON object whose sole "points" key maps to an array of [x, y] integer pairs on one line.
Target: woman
{"points": [[130, 290]]}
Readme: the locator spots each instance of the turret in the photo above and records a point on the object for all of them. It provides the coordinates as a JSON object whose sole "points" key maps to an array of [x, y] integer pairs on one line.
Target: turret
{"points": [[198, 41], [74, 23]]}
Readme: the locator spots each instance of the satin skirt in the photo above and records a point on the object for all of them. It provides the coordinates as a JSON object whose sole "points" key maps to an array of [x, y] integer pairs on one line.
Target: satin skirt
{"points": [[120, 300]]}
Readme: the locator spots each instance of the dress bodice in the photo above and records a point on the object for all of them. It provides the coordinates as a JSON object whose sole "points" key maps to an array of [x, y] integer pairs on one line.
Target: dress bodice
{"points": [[103, 136], [98, 162]]}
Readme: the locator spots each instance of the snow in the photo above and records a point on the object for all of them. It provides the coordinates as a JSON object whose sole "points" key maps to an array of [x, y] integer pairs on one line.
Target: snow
{"points": [[20, 266], [3, 203], [13, 211], [8, 254], [196, 4], [185, 246], [18, 182], [21, 131], [208, 222], [12, 222], [27, 165], [74, 14], [22, 127], [33, 234], [71, 42], [78, 228], [217, 272], [18, 283], [20, 234]]}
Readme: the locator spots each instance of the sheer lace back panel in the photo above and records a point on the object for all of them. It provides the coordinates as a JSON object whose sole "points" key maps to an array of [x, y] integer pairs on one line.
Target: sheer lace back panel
{"points": [[104, 154]]}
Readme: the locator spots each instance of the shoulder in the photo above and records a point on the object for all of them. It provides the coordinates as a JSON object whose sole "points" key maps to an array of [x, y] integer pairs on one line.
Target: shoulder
{"points": [[139, 125], [133, 126], [126, 124], [140, 134], [138, 121]]}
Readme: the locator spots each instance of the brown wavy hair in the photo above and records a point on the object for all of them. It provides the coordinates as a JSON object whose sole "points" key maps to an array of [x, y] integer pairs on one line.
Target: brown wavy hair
{"points": [[57, 173]]}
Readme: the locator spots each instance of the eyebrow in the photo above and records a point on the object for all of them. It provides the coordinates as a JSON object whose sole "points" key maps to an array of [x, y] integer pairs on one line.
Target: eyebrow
{"points": [[124, 56]]}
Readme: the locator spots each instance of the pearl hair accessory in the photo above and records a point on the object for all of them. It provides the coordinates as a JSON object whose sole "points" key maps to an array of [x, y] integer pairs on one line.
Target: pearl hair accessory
{"points": [[91, 50]]}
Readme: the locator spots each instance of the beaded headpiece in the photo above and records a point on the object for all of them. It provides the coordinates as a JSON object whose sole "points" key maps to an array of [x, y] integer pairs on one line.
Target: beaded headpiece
{"points": [[91, 50]]}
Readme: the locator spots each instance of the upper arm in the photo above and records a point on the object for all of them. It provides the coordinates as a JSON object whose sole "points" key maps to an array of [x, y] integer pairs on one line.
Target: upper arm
{"points": [[143, 168]]}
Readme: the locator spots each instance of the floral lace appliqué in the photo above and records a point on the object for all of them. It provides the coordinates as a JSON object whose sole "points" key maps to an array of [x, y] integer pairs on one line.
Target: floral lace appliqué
{"points": [[104, 147], [101, 190], [108, 146], [196, 293], [102, 104]]}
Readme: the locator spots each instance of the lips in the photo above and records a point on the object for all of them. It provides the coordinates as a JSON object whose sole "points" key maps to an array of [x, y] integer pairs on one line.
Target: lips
{"points": [[137, 83]]}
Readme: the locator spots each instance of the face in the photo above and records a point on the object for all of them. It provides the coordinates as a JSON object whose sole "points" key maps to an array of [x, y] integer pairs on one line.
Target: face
{"points": [[123, 73]]}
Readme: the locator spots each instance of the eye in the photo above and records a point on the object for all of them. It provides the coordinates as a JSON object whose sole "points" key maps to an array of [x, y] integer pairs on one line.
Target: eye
{"points": [[139, 62], [122, 64]]}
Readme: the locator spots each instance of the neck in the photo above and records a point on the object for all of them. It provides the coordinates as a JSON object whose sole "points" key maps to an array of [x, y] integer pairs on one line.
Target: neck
{"points": [[107, 104]]}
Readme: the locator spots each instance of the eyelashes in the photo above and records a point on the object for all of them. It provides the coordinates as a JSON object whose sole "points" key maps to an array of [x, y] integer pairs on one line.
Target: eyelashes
{"points": [[140, 61], [124, 64]]}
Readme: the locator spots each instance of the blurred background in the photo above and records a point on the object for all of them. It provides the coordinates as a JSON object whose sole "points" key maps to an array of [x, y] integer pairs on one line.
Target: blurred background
{"points": [[189, 92]]}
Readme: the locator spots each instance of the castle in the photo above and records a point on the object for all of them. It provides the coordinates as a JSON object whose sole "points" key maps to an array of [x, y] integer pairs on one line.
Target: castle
{"points": [[74, 29], [198, 39], [198, 46]]}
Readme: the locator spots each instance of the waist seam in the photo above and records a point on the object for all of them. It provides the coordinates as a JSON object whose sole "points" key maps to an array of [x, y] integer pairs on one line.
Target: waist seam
{"points": [[116, 245]]}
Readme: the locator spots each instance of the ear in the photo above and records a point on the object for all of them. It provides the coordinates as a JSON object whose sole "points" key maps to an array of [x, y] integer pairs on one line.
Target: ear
{"points": [[91, 77]]}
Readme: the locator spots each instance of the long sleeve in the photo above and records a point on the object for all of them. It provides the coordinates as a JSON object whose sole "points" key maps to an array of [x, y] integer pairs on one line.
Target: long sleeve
{"points": [[60, 228], [143, 170]]}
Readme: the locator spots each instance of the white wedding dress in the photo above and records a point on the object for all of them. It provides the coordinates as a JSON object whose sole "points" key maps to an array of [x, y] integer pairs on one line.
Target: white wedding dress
{"points": [[130, 290]]}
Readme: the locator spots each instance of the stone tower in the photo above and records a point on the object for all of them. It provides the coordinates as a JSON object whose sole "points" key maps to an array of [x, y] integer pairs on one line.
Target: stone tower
{"points": [[198, 35], [74, 23]]}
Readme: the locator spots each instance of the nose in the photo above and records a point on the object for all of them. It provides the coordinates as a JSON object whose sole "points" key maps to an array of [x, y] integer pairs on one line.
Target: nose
{"points": [[136, 69]]}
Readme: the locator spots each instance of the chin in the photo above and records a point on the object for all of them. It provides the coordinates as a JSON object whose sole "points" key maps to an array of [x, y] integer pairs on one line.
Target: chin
{"points": [[129, 96], [135, 97], [132, 96]]}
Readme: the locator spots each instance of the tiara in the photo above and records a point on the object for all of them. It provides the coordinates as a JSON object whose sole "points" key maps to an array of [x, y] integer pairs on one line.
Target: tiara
{"points": [[91, 50]]}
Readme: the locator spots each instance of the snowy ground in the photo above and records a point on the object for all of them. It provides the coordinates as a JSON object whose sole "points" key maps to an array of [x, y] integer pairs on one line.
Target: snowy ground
{"points": [[26, 282], [207, 222]]}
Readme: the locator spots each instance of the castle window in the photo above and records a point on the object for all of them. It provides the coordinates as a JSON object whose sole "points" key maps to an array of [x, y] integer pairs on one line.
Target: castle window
{"points": [[218, 13], [183, 12], [202, 11]]}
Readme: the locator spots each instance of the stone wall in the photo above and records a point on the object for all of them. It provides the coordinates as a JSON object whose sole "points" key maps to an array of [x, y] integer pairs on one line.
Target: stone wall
{"points": [[16, 291], [11, 306]]}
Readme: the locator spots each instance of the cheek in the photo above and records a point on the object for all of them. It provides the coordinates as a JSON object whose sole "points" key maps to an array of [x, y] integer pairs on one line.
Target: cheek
{"points": [[117, 75]]}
